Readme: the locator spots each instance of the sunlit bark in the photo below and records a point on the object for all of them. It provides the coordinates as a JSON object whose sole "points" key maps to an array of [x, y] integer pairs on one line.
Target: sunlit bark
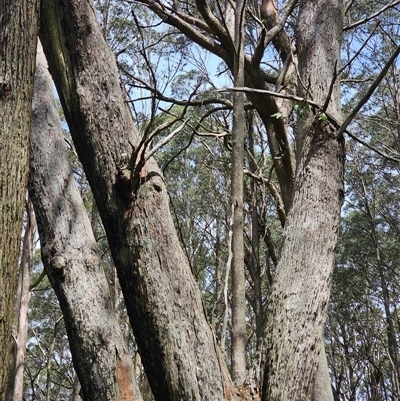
{"points": [[72, 259], [298, 304]]}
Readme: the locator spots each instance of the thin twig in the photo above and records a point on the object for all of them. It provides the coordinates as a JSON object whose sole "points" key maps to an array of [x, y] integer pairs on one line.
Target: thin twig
{"points": [[360, 49], [328, 97], [165, 141]]}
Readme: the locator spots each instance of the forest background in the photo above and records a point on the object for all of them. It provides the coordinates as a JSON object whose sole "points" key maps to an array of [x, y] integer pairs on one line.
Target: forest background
{"points": [[176, 89]]}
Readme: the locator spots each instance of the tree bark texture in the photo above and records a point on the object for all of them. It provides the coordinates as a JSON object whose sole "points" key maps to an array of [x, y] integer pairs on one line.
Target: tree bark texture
{"points": [[18, 36], [72, 259], [297, 307], [176, 344], [239, 336]]}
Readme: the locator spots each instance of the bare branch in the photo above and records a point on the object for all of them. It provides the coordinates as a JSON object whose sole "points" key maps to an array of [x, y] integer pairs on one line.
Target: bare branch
{"points": [[372, 16], [213, 22], [341, 128], [274, 193], [175, 20], [360, 49], [267, 37], [369, 92], [271, 93], [373, 148], [165, 140], [162, 97], [38, 280], [328, 97]]}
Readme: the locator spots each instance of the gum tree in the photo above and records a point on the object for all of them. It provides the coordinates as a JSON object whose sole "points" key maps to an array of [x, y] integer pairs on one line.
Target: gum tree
{"points": [[18, 36]]}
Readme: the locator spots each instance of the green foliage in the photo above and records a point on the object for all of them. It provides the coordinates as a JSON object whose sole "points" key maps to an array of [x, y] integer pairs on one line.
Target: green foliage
{"points": [[48, 365], [302, 109]]}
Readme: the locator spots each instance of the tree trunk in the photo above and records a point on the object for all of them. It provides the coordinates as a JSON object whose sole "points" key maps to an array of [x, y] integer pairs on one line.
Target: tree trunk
{"points": [[18, 36], [297, 308], [239, 337], [176, 343], [72, 259], [15, 392]]}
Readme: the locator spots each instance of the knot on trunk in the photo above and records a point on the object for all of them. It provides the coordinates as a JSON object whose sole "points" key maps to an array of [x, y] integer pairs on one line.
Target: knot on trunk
{"points": [[58, 263]]}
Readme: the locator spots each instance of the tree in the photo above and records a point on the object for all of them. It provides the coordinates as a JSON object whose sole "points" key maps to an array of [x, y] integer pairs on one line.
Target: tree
{"points": [[71, 257], [16, 380], [17, 64], [300, 293], [238, 138], [177, 347], [163, 301], [133, 205]]}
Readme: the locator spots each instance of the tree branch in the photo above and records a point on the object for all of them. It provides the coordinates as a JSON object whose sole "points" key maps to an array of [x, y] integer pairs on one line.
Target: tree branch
{"points": [[162, 97], [372, 16], [369, 92], [342, 128], [186, 28]]}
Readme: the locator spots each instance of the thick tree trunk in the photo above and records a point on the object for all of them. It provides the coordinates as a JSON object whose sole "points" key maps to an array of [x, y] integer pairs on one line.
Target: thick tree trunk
{"points": [[72, 259], [18, 36], [176, 344], [298, 303]]}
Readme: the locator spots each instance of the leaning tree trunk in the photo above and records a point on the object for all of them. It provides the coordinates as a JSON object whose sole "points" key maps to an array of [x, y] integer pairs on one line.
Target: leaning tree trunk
{"points": [[18, 35], [176, 344], [72, 259], [297, 307]]}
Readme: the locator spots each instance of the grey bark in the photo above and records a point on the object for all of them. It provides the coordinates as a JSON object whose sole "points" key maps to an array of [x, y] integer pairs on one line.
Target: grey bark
{"points": [[322, 385], [239, 337], [297, 307], [176, 344], [18, 35], [72, 259]]}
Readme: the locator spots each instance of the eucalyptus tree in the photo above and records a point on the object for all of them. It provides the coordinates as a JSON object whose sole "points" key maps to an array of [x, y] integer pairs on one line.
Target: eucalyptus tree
{"points": [[176, 344], [178, 348], [17, 63], [362, 330], [72, 259]]}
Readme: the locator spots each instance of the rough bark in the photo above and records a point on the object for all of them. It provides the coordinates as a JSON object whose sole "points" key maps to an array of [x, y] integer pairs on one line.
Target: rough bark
{"points": [[18, 35], [297, 307], [239, 337], [163, 301], [71, 257]]}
